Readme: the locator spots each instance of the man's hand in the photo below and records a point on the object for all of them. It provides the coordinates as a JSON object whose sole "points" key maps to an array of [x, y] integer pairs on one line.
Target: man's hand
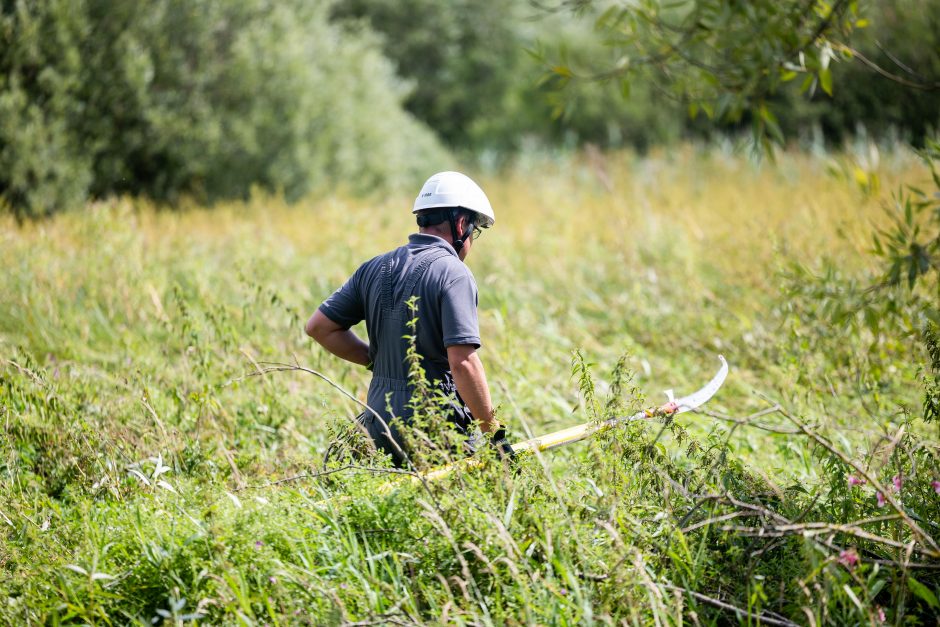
{"points": [[502, 445], [337, 339]]}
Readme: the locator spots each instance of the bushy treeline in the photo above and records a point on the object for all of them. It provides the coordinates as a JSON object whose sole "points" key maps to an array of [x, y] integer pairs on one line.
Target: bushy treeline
{"points": [[481, 83], [198, 97], [209, 97], [477, 84]]}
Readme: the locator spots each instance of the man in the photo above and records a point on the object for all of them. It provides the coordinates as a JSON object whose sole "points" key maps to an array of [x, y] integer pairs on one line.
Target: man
{"points": [[451, 212]]}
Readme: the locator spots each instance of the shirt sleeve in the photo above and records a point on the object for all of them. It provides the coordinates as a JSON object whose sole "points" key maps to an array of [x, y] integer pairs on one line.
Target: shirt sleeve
{"points": [[345, 306], [459, 311]]}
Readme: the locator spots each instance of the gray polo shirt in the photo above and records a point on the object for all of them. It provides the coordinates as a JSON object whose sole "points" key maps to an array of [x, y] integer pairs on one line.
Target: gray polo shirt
{"points": [[426, 267]]}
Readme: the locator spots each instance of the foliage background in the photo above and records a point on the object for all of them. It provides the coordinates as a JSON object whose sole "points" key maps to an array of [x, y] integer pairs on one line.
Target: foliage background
{"points": [[148, 476], [205, 99]]}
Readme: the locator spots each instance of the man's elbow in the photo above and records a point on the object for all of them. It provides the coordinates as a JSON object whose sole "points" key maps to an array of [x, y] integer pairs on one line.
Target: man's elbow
{"points": [[315, 327], [462, 360], [311, 328]]}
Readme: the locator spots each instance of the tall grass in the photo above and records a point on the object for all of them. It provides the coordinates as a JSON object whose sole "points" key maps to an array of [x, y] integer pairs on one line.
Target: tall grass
{"points": [[146, 480]]}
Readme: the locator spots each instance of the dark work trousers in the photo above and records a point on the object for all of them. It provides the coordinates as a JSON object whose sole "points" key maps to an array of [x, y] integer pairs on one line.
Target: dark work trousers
{"points": [[387, 437]]}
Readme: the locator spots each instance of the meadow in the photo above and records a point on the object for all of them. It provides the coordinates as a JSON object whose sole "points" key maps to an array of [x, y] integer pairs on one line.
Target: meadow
{"points": [[147, 478]]}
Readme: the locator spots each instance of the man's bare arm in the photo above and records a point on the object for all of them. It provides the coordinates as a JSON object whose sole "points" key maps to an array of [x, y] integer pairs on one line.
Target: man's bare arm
{"points": [[338, 340], [470, 378]]}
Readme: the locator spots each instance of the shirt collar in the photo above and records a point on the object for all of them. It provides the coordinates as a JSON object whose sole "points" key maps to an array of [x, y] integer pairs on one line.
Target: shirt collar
{"points": [[426, 239]]}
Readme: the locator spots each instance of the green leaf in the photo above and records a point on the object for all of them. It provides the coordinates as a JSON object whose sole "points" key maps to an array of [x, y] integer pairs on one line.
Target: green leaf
{"points": [[535, 53], [808, 82], [922, 591], [771, 123], [767, 115], [825, 80], [608, 18]]}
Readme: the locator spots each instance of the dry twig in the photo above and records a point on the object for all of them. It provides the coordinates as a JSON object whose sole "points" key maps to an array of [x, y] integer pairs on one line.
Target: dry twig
{"points": [[740, 613], [931, 548]]}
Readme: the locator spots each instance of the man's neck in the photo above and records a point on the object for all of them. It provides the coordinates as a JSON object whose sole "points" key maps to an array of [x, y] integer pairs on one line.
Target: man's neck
{"points": [[436, 233]]}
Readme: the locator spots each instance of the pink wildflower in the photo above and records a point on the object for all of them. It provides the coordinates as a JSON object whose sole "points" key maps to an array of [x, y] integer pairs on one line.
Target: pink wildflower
{"points": [[897, 480], [854, 481], [881, 499], [259, 544], [936, 486], [881, 615], [272, 579], [848, 558]]}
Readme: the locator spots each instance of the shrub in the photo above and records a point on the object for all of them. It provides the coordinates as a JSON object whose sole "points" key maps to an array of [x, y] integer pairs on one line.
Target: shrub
{"points": [[201, 98]]}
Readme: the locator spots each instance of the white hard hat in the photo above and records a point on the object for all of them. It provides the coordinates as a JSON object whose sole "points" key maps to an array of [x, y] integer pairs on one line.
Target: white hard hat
{"points": [[453, 189]]}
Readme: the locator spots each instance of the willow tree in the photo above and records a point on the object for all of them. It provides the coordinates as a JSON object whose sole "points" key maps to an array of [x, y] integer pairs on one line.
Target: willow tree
{"points": [[731, 59]]}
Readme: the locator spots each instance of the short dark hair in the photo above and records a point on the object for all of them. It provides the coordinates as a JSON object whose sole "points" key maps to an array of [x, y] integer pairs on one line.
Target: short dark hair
{"points": [[438, 215]]}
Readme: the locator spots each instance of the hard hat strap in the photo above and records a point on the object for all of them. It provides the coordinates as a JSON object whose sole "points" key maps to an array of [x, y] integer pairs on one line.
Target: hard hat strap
{"points": [[458, 239], [450, 214]]}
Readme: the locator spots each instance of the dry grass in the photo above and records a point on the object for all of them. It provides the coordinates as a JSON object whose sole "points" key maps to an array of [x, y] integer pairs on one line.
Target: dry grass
{"points": [[122, 327]]}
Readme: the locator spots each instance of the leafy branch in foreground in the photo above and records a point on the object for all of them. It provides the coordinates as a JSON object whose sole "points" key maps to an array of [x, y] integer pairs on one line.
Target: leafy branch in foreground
{"points": [[910, 247], [722, 57], [932, 376]]}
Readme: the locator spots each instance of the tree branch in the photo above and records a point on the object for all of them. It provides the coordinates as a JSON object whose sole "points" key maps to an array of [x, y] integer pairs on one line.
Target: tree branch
{"points": [[885, 73], [740, 613]]}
